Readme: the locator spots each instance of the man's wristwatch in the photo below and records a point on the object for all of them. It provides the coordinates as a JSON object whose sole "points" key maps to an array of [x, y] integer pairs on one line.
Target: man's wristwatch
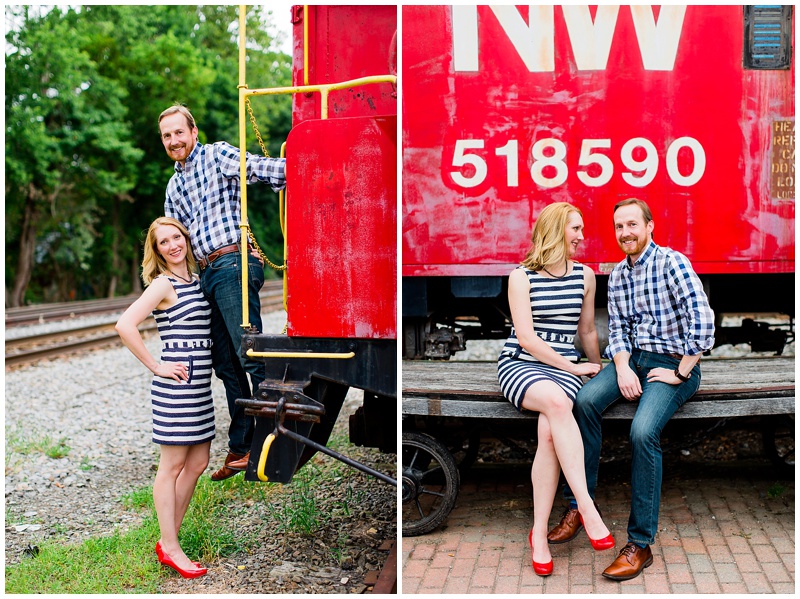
{"points": [[681, 377]]}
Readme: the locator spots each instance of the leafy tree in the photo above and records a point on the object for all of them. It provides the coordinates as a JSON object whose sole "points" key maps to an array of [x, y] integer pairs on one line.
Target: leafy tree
{"points": [[85, 170], [65, 132]]}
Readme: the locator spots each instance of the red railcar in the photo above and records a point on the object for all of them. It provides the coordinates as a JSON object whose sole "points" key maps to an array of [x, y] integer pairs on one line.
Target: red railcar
{"points": [[340, 245], [507, 109]]}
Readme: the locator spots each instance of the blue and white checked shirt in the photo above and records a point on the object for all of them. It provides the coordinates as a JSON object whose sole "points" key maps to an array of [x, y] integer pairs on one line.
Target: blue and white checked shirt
{"points": [[658, 305], [204, 194]]}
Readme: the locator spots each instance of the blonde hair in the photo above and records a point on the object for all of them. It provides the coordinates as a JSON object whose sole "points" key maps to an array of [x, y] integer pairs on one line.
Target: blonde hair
{"points": [[548, 241], [153, 263]]}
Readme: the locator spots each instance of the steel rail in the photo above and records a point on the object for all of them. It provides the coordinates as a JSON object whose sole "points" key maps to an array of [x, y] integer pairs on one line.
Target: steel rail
{"points": [[58, 343], [271, 298]]}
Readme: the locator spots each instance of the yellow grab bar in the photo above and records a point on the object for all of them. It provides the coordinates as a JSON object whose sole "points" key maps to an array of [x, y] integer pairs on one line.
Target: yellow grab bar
{"points": [[323, 89], [288, 354], [262, 459]]}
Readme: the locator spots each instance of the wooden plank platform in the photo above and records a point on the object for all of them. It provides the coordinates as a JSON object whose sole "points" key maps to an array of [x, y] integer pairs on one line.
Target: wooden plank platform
{"points": [[730, 387]]}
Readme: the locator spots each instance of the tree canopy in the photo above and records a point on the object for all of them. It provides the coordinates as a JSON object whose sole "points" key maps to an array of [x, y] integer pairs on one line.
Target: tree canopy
{"points": [[85, 171]]}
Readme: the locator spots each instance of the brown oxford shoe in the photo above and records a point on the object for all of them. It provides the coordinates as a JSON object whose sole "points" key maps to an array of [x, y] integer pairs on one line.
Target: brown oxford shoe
{"points": [[567, 529], [629, 563], [240, 464], [230, 468]]}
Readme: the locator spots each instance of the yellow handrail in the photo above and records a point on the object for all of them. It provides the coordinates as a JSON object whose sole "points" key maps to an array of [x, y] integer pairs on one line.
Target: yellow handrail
{"points": [[243, 224], [323, 89], [288, 354], [305, 44]]}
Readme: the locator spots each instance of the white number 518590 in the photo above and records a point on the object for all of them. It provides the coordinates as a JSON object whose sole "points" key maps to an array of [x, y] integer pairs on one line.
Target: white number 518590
{"points": [[553, 152]]}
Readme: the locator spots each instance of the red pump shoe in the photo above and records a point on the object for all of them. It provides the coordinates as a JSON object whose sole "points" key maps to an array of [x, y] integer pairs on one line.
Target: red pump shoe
{"points": [[166, 560], [160, 554], [540, 569], [600, 544]]}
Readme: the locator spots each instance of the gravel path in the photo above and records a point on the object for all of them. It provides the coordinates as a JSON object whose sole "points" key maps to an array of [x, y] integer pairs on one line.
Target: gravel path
{"points": [[97, 404]]}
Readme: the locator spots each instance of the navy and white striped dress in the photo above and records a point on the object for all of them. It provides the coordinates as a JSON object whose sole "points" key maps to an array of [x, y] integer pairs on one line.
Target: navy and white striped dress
{"points": [[183, 412], [556, 308]]}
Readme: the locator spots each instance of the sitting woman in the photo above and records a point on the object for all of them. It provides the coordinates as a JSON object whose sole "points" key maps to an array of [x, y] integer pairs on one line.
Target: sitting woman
{"points": [[551, 299], [183, 408]]}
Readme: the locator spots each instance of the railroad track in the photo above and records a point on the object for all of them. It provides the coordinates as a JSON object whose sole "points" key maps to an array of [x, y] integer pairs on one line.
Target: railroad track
{"points": [[31, 348], [271, 299]]}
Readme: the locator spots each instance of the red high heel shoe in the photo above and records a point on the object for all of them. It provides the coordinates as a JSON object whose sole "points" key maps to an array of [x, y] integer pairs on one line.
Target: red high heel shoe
{"points": [[599, 544], [166, 560], [540, 569], [160, 554]]}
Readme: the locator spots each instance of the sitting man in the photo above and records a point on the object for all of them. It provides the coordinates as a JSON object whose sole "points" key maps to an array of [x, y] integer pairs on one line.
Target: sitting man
{"points": [[659, 324]]}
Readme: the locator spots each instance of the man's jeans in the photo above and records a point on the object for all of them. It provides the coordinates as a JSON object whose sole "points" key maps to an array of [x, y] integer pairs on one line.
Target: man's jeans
{"points": [[659, 401], [221, 282]]}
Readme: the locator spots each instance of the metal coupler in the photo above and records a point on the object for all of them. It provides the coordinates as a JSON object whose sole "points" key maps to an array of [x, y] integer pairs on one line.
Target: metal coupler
{"points": [[295, 406]]}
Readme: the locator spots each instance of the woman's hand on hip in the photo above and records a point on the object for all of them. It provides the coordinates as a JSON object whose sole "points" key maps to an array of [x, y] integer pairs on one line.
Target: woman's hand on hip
{"points": [[172, 370]]}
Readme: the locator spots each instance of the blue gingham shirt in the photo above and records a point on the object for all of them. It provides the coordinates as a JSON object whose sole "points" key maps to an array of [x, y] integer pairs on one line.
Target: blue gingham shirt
{"points": [[658, 305], [204, 193]]}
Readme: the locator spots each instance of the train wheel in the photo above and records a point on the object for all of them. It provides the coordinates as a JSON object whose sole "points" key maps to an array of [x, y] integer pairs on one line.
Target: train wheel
{"points": [[778, 435], [430, 483]]}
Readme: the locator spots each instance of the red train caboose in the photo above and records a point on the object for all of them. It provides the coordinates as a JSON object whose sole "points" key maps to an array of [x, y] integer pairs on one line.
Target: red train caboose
{"points": [[507, 109], [340, 245]]}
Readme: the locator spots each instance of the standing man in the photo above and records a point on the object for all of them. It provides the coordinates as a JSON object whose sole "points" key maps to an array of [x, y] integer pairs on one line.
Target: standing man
{"points": [[203, 194], [659, 323]]}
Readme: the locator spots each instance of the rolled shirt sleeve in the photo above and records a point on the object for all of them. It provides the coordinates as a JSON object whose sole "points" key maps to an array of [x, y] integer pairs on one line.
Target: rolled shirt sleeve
{"points": [[262, 169]]}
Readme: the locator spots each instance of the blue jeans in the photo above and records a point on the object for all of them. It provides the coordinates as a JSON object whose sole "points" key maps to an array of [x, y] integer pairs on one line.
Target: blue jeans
{"points": [[659, 401], [221, 282]]}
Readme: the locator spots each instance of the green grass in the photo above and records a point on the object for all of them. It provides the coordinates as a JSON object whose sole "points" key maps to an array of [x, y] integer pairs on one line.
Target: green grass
{"points": [[113, 564], [17, 442], [125, 562]]}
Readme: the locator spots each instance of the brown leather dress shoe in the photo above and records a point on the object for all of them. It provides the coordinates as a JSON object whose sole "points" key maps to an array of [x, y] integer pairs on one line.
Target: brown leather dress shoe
{"points": [[629, 563], [567, 529], [229, 468], [240, 464]]}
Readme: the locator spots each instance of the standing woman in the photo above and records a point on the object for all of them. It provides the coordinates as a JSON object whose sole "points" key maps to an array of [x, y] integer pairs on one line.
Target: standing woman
{"points": [[183, 408], [551, 299]]}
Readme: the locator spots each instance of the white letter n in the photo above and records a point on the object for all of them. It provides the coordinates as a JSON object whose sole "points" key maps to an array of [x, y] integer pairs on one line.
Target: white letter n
{"points": [[534, 43]]}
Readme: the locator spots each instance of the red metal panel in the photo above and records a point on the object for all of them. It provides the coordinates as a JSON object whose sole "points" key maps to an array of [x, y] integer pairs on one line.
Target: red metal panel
{"points": [[345, 42], [341, 222], [461, 91]]}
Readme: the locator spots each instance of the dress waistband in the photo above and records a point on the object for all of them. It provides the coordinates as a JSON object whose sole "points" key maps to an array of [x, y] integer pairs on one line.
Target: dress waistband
{"points": [[204, 344], [556, 337]]}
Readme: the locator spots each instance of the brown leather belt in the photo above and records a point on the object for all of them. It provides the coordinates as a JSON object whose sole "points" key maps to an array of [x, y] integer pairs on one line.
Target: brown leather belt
{"points": [[228, 249]]}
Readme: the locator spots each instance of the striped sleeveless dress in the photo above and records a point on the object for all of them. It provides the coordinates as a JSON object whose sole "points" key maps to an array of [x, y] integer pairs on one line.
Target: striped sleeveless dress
{"points": [[183, 412], [556, 308]]}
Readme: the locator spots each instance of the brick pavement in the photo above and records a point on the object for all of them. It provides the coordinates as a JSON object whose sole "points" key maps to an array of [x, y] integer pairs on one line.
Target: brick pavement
{"points": [[726, 527]]}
